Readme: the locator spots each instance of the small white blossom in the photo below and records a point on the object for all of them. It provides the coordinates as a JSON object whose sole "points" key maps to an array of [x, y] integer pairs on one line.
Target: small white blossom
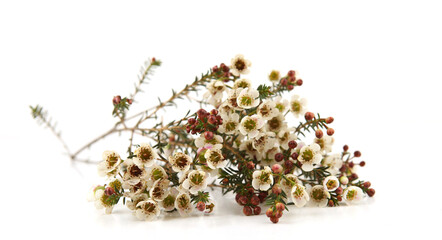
{"points": [[331, 183], [281, 104], [299, 195], [215, 90], [135, 188], [319, 196], [267, 110], [110, 164], [183, 204], [240, 65], [215, 159], [103, 201], [196, 181], [147, 210], [268, 158], [297, 106], [286, 185], [309, 156], [145, 155], [230, 124], [154, 173], [232, 99], [353, 194], [135, 199], [242, 83], [168, 202], [264, 141], [262, 179], [180, 162], [276, 124], [159, 189], [215, 142], [333, 162], [134, 173], [250, 125], [248, 98], [325, 142]]}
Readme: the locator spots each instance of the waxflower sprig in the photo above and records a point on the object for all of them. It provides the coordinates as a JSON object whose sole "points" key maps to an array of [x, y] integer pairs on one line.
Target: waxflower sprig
{"points": [[248, 140]]}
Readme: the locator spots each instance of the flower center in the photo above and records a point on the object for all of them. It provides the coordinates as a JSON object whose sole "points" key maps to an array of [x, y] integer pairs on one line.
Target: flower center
{"points": [[331, 184], [197, 179], [135, 171], [240, 64], [307, 155], [274, 123], [296, 106], [230, 126], [351, 194], [280, 107], [156, 174], [246, 100], [318, 194], [145, 154], [250, 124]]}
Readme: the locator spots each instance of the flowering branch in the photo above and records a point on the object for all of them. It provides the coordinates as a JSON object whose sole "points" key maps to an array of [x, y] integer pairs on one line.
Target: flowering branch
{"points": [[243, 145]]}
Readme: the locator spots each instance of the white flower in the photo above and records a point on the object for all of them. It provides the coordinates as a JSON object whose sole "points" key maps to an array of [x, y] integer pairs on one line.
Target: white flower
{"points": [[250, 125], [319, 196], [262, 179], [145, 155], [326, 143], [281, 104], [230, 124], [135, 199], [136, 188], [274, 76], [331, 183], [333, 162], [180, 162], [159, 189], [215, 90], [155, 172], [242, 83], [232, 99], [276, 123], [110, 164], [215, 142], [133, 172], [248, 98], [104, 201], [215, 159], [286, 185], [267, 110], [299, 195], [284, 137], [240, 65], [147, 210], [196, 181], [353, 194], [309, 156], [264, 141], [268, 158], [183, 204], [168, 202], [250, 150], [297, 105]]}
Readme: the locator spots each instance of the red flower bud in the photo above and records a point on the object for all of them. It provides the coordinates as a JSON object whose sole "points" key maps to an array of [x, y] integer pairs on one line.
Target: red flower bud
{"points": [[116, 100], [309, 116]]}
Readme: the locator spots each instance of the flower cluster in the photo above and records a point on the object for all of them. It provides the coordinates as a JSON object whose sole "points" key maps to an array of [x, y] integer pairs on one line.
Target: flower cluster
{"points": [[247, 144]]}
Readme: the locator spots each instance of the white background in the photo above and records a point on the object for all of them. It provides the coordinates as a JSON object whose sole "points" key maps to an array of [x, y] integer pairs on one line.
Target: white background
{"points": [[374, 66]]}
